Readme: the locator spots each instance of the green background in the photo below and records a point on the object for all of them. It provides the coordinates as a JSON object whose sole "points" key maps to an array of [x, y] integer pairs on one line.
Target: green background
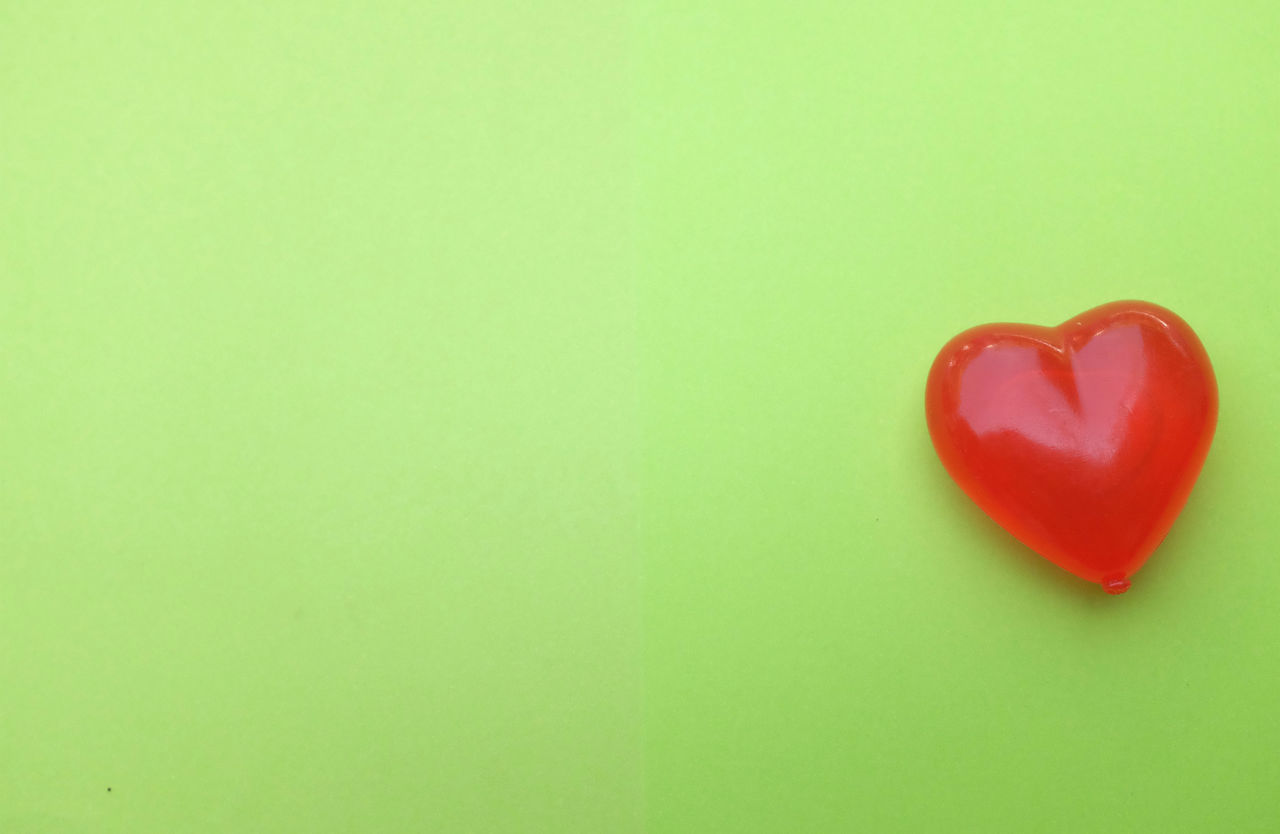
{"points": [[500, 417]]}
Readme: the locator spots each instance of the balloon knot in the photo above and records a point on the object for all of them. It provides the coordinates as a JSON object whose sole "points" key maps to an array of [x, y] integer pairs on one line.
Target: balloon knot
{"points": [[1115, 585]]}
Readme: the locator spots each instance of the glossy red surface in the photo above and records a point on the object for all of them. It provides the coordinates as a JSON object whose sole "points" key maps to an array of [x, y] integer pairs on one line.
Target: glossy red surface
{"points": [[1082, 440]]}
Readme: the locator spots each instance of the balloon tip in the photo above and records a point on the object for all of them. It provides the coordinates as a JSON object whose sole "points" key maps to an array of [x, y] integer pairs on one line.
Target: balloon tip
{"points": [[1115, 585]]}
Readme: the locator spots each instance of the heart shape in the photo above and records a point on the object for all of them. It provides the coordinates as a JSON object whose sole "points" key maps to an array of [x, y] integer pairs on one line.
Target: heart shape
{"points": [[1082, 440]]}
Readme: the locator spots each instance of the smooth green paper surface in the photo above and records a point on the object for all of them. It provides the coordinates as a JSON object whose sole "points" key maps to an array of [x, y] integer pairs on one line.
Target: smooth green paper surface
{"points": [[484, 418]]}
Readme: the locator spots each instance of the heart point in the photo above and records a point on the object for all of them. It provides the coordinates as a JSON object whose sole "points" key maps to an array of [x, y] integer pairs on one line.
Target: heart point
{"points": [[1115, 585]]}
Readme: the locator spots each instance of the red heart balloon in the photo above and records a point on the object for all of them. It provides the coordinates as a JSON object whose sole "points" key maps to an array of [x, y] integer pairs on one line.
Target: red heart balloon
{"points": [[1082, 440]]}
